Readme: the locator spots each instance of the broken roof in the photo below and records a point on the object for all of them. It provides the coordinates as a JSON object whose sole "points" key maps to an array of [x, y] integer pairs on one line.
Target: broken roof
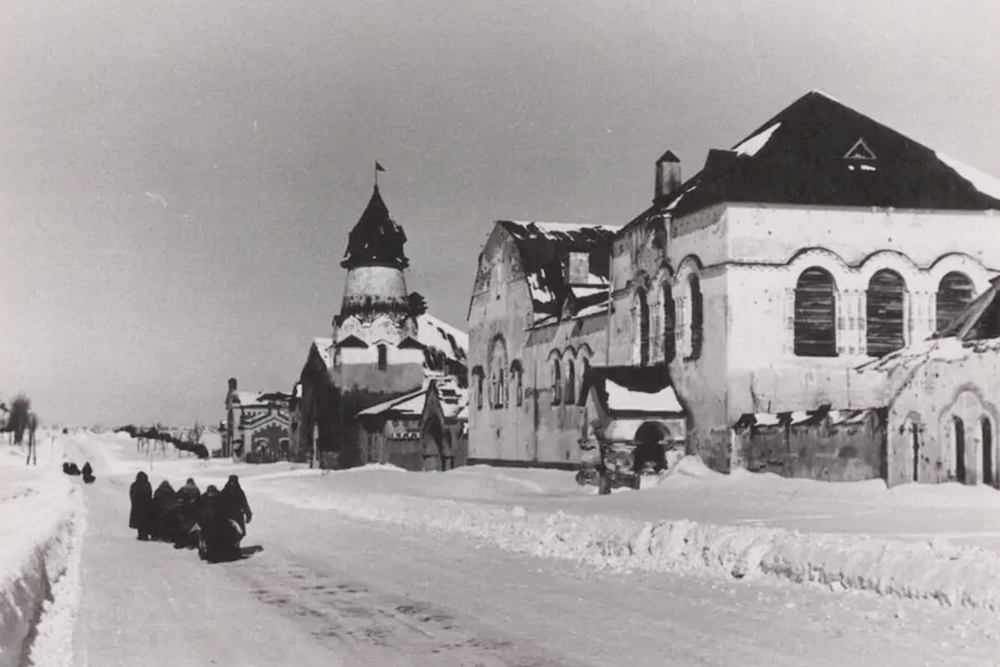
{"points": [[820, 152], [377, 239], [976, 329], [439, 335], [804, 417], [632, 390], [544, 246]]}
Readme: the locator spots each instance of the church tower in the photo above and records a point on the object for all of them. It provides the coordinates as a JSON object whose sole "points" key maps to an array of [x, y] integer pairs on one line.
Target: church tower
{"points": [[375, 308]]}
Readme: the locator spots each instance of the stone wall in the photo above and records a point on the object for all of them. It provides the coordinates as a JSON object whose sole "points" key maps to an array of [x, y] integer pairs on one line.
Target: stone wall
{"points": [[922, 422]]}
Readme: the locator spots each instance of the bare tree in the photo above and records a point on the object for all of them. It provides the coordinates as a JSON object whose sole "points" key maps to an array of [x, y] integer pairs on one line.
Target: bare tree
{"points": [[32, 426], [18, 422]]}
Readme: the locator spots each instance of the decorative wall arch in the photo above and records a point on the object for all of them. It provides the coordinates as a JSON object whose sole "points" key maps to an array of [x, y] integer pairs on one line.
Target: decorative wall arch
{"points": [[893, 260], [969, 404], [959, 263], [690, 264], [819, 257]]}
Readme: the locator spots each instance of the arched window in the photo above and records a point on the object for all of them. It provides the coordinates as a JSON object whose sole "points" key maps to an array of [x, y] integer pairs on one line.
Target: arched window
{"points": [[498, 369], [954, 293], [959, 449], [517, 377], [816, 314], [669, 319], [697, 316], [494, 392], [501, 390], [383, 357], [570, 381], [884, 312], [556, 382], [643, 327], [477, 373], [989, 477]]}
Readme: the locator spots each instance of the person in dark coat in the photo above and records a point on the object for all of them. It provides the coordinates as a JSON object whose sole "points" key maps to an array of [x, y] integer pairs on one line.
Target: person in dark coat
{"points": [[141, 516], [88, 473], [166, 520], [188, 505], [235, 504], [211, 524]]}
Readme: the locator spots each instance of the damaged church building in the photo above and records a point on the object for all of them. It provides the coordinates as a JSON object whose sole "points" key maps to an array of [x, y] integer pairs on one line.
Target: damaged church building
{"points": [[389, 385], [762, 288]]}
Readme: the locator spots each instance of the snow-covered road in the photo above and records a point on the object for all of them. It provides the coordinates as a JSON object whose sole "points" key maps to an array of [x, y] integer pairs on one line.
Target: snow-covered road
{"points": [[330, 590]]}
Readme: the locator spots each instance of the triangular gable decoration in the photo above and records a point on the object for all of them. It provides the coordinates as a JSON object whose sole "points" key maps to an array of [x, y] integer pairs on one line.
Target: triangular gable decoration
{"points": [[860, 151]]}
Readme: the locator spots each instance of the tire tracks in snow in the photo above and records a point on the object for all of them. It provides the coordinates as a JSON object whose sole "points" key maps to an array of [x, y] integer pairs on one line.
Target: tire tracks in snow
{"points": [[379, 627]]}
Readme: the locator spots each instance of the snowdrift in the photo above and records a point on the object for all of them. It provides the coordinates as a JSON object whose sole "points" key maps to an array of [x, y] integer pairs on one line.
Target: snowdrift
{"points": [[41, 532], [931, 569]]}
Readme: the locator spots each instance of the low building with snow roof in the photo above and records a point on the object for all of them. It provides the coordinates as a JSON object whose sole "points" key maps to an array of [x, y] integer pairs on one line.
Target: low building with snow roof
{"points": [[421, 430], [632, 419], [825, 443], [944, 400], [822, 240], [384, 345], [537, 318]]}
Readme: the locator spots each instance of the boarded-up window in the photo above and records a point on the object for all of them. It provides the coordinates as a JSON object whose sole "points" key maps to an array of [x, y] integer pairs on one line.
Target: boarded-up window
{"points": [[643, 329], [953, 295], [816, 314], [570, 381], [669, 314], [697, 316], [884, 312]]}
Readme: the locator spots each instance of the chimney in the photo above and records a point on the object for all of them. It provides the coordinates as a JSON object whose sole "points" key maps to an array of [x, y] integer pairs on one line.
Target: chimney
{"points": [[232, 384], [668, 176], [576, 268]]}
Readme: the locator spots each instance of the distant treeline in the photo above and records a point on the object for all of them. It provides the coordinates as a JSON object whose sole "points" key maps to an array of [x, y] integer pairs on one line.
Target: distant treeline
{"points": [[196, 448]]}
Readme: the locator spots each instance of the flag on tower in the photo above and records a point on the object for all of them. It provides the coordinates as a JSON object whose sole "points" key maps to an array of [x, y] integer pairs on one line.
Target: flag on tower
{"points": [[378, 167]]}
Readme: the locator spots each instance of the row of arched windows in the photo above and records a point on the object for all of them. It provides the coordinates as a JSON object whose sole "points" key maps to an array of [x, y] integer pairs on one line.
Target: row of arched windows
{"points": [[815, 310], [502, 385], [695, 324], [987, 464]]}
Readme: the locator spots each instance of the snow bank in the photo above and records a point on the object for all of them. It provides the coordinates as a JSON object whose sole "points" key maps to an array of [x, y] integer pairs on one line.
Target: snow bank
{"points": [[922, 570], [41, 530]]}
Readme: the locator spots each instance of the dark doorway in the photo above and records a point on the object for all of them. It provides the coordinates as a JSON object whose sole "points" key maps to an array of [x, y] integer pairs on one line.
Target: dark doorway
{"points": [[988, 476], [959, 449], [915, 436]]}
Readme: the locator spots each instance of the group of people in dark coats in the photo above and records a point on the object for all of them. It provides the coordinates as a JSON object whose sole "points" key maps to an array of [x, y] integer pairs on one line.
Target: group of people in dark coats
{"points": [[71, 469], [214, 521]]}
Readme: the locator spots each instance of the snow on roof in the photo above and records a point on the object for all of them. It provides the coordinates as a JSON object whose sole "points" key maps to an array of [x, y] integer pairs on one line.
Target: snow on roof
{"points": [[766, 419], [815, 133], [411, 404], [439, 335], [751, 146], [620, 398], [982, 181], [544, 247], [322, 346]]}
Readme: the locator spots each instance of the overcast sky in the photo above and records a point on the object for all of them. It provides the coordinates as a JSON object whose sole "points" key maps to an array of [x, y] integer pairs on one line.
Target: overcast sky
{"points": [[178, 179]]}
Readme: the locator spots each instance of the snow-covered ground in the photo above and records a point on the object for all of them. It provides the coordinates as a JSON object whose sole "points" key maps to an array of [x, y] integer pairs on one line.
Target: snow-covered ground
{"points": [[42, 520], [332, 586], [916, 541]]}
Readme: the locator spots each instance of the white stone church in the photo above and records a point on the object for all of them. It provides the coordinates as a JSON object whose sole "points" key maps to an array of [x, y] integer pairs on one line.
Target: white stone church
{"points": [[820, 241]]}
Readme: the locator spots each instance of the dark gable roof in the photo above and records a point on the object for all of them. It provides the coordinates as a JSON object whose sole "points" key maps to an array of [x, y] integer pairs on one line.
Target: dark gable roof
{"points": [[803, 162], [542, 247], [377, 239]]}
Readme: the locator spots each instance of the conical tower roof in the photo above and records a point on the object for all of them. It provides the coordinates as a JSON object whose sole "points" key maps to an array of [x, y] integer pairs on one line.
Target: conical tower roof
{"points": [[377, 240]]}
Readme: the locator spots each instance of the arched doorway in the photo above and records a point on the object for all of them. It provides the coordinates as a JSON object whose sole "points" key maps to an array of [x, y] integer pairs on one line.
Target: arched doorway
{"points": [[650, 447], [989, 476], [433, 444]]}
